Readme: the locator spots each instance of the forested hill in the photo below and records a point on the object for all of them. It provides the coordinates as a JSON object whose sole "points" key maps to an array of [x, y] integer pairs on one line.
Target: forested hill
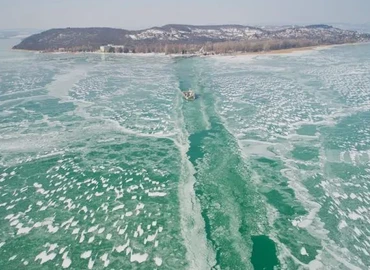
{"points": [[189, 38]]}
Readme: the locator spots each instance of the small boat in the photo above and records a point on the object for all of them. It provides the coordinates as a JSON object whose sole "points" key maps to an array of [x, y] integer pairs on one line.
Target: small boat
{"points": [[189, 95]]}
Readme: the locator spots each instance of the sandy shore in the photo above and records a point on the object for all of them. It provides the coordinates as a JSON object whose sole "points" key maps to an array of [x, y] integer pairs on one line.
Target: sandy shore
{"points": [[287, 51], [293, 50]]}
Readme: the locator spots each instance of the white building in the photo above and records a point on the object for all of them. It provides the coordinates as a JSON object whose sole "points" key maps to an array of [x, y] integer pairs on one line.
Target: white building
{"points": [[105, 48], [109, 47]]}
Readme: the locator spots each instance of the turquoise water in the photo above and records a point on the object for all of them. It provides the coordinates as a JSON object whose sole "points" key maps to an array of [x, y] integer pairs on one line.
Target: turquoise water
{"points": [[103, 165]]}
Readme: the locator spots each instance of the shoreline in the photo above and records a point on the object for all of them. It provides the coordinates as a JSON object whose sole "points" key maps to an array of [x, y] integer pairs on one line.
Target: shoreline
{"points": [[288, 51], [270, 52]]}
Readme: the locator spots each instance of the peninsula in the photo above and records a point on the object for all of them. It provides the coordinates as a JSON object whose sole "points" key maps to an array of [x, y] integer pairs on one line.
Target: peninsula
{"points": [[189, 39]]}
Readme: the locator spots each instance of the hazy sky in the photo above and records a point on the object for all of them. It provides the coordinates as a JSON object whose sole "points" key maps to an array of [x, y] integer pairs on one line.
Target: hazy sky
{"points": [[135, 14]]}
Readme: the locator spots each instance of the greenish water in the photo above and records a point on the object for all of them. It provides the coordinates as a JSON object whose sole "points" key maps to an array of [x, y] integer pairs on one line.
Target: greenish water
{"points": [[103, 165]]}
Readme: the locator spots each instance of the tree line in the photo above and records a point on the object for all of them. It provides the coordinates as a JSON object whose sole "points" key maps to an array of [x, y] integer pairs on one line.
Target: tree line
{"points": [[236, 46], [224, 47]]}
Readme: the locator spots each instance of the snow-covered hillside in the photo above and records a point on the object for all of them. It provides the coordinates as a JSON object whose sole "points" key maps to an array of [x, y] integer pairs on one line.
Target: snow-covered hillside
{"points": [[156, 39]]}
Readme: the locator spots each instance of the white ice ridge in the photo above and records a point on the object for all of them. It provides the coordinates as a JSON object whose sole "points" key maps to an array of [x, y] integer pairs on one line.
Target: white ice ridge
{"points": [[104, 258], [120, 249], [137, 257], [44, 257], [199, 255], [157, 194], [158, 261], [66, 260], [64, 82], [86, 254], [128, 131]]}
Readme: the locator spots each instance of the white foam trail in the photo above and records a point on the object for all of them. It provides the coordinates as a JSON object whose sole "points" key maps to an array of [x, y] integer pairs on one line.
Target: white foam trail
{"points": [[204, 115], [136, 133], [23, 100], [340, 259], [313, 207], [253, 147], [64, 82], [21, 92], [329, 113], [199, 254], [312, 222]]}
